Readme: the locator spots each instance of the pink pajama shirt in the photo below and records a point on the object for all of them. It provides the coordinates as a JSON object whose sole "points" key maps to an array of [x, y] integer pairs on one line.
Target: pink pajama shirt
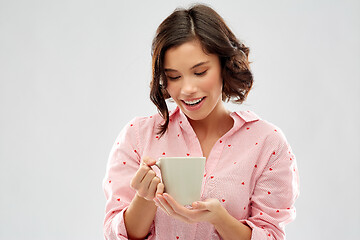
{"points": [[251, 170]]}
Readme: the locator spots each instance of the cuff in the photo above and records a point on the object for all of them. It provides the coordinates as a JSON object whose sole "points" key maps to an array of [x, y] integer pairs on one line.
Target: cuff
{"points": [[118, 224], [257, 233], [120, 229]]}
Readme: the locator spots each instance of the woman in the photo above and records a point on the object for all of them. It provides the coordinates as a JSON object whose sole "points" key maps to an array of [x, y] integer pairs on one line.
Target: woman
{"points": [[250, 181]]}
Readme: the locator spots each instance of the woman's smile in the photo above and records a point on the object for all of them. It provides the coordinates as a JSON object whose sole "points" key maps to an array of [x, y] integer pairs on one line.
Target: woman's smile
{"points": [[193, 105]]}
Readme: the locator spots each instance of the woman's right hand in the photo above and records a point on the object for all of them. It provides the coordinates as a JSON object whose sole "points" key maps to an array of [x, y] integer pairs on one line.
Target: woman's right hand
{"points": [[145, 182]]}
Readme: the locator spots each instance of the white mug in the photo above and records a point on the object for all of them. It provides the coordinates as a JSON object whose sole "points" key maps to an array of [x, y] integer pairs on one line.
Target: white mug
{"points": [[182, 177]]}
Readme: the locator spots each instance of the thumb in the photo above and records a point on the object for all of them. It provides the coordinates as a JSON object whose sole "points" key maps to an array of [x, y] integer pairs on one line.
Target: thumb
{"points": [[148, 161], [199, 205]]}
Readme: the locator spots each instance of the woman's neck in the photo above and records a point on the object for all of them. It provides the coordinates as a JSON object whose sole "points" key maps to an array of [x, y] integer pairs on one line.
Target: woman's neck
{"points": [[216, 124]]}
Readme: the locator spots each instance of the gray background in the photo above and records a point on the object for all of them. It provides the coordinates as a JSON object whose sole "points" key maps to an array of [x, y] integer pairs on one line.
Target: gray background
{"points": [[73, 73]]}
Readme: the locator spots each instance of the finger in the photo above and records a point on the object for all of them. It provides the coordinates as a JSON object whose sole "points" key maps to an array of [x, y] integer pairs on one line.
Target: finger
{"points": [[147, 179], [165, 204], [148, 161], [160, 188], [175, 205], [190, 214], [199, 205], [160, 205], [139, 176], [143, 188], [212, 204], [153, 188]]}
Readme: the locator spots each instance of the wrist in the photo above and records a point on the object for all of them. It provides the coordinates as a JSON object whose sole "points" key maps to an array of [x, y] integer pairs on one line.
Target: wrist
{"points": [[142, 199]]}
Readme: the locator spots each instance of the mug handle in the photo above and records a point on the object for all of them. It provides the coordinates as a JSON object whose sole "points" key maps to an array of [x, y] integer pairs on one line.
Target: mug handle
{"points": [[157, 164]]}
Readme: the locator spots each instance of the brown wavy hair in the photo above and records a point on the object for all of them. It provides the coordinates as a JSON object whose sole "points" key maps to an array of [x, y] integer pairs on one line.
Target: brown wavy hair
{"points": [[201, 23]]}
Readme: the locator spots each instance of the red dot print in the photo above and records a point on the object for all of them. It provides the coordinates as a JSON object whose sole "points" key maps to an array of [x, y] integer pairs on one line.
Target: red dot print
{"points": [[244, 208], [220, 141], [229, 145], [187, 154], [269, 192], [178, 135], [177, 237], [243, 183], [256, 143], [269, 234], [270, 169], [255, 166], [205, 175], [150, 116], [163, 153], [261, 213], [131, 125], [288, 208], [180, 122], [113, 211], [290, 159], [109, 181], [212, 177], [157, 137], [247, 128], [135, 151], [118, 199], [124, 163], [275, 130], [277, 211], [234, 162], [223, 200], [273, 153]]}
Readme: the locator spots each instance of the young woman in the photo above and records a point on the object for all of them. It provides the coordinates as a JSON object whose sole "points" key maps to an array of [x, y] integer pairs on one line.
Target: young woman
{"points": [[250, 181]]}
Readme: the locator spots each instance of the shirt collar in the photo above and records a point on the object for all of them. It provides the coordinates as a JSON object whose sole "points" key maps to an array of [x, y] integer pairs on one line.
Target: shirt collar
{"points": [[247, 116]]}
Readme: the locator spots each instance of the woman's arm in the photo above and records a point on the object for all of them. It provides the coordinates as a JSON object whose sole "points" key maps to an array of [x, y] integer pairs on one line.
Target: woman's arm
{"points": [[141, 211], [139, 217], [230, 228]]}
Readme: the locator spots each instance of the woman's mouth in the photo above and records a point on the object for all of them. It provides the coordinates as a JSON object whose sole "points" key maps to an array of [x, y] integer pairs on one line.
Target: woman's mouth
{"points": [[193, 102]]}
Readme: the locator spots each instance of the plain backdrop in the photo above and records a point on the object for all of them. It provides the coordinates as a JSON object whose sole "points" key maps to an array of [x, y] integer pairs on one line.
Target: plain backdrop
{"points": [[74, 72]]}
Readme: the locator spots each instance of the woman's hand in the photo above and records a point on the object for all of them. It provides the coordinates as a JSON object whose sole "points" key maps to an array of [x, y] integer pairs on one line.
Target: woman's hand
{"points": [[145, 182], [209, 210]]}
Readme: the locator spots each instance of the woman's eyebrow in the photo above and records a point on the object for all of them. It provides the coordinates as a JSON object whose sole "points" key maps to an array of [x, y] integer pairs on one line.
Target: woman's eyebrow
{"points": [[199, 64], [196, 65]]}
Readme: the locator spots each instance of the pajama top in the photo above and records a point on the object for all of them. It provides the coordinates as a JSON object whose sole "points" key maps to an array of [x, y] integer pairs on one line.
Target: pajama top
{"points": [[251, 170]]}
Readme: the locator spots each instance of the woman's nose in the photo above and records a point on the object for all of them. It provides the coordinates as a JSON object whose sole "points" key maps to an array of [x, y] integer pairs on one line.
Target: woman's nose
{"points": [[189, 86]]}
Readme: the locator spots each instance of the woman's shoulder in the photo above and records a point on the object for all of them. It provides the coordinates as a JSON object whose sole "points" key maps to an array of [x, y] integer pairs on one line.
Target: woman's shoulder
{"points": [[260, 126]]}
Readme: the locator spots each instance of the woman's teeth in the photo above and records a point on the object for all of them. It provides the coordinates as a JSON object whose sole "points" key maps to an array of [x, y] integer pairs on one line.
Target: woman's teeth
{"points": [[193, 102]]}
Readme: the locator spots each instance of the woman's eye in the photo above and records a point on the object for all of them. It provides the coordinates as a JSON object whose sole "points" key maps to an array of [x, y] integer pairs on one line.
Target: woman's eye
{"points": [[173, 78], [201, 73]]}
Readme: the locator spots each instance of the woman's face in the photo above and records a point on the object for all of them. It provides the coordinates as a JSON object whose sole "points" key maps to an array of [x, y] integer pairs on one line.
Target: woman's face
{"points": [[194, 79]]}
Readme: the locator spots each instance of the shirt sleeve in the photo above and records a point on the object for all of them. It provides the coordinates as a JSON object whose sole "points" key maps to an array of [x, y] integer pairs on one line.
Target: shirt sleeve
{"points": [[277, 188], [123, 162]]}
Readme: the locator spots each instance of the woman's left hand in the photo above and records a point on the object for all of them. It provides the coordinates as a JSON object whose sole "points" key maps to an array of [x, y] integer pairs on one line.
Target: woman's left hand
{"points": [[209, 210]]}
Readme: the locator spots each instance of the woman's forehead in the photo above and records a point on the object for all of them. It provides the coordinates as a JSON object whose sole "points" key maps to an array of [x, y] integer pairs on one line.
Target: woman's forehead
{"points": [[188, 54]]}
